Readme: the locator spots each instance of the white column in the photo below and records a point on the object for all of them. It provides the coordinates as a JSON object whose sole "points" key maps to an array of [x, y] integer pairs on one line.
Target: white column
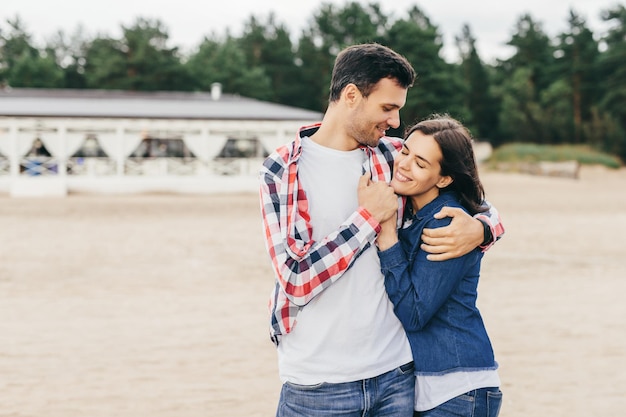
{"points": [[14, 157], [119, 157], [205, 164], [64, 154]]}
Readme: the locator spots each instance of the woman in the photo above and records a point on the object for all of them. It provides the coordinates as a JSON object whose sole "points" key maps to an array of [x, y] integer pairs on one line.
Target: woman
{"points": [[456, 374]]}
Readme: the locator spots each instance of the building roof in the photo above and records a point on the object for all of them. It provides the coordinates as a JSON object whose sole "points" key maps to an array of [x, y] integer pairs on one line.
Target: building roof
{"points": [[27, 102]]}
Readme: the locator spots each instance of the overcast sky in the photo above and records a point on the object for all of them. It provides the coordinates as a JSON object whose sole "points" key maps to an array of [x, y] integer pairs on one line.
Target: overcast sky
{"points": [[492, 21]]}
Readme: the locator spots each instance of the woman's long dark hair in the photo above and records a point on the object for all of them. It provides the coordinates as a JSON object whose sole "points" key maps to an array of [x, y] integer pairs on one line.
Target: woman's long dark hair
{"points": [[458, 159]]}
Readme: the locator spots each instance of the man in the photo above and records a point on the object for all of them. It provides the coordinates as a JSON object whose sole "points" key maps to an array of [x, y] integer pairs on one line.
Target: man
{"points": [[323, 198]]}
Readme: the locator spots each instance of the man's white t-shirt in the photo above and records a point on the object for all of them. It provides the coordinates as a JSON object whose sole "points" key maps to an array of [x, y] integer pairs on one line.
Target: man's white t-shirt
{"points": [[349, 332]]}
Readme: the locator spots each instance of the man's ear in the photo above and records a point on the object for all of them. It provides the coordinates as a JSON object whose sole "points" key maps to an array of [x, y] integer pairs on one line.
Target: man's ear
{"points": [[444, 181], [351, 94]]}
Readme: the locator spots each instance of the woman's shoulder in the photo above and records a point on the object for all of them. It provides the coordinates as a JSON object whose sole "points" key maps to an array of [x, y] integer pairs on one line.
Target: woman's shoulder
{"points": [[448, 199]]}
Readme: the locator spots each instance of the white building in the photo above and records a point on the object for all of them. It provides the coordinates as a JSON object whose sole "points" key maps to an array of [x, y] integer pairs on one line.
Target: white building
{"points": [[57, 141]]}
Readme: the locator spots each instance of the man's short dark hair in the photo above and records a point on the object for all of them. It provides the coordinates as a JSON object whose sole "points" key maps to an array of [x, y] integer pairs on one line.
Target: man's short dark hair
{"points": [[365, 65]]}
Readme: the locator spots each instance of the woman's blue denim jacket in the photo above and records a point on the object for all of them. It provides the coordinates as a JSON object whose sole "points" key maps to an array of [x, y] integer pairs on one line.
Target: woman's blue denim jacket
{"points": [[436, 300]]}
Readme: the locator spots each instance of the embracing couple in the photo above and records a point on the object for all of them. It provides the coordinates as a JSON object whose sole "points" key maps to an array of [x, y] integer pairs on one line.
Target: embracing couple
{"points": [[376, 245]]}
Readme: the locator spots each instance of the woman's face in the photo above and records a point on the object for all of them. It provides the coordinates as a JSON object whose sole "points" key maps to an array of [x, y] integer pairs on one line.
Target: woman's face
{"points": [[417, 169]]}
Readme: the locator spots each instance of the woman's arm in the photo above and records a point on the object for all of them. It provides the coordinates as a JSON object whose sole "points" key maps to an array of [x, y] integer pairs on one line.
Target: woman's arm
{"points": [[388, 235], [418, 289]]}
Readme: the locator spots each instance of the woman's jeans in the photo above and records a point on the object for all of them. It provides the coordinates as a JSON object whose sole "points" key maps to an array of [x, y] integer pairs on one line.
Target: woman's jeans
{"points": [[390, 394], [484, 402]]}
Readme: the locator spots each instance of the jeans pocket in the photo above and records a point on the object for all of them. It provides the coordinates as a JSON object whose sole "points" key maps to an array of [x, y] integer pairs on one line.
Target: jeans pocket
{"points": [[298, 387], [494, 402], [407, 368]]}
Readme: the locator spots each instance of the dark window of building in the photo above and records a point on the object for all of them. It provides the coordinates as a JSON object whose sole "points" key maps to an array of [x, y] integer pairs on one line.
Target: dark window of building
{"points": [[242, 148], [162, 148], [38, 149], [90, 149]]}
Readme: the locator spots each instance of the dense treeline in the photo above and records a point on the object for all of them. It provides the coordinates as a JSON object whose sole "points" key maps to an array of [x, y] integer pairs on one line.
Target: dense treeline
{"points": [[568, 89]]}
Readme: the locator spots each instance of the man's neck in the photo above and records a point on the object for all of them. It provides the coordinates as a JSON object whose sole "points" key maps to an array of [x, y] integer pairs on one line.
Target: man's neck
{"points": [[332, 134]]}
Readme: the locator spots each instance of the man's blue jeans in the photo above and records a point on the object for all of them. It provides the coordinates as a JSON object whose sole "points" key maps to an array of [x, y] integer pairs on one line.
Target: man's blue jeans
{"points": [[390, 394], [484, 402]]}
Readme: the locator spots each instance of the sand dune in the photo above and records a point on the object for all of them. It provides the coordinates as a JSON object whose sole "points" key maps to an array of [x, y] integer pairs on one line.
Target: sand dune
{"points": [[156, 305]]}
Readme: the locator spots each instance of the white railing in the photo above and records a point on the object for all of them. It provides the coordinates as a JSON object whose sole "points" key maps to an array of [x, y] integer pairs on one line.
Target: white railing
{"points": [[91, 166], [191, 166], [161, 166], [235, 166]]}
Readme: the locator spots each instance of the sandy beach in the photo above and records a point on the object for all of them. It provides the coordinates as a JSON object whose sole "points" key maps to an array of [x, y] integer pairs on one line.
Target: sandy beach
{"points": [[156, 305]]}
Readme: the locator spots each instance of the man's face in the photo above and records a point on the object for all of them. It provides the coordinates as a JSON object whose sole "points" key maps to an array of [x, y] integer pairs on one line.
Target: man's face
{"points": [[372, 116]]}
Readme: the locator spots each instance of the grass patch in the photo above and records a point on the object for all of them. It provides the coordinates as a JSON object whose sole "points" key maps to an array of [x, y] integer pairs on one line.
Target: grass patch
{"points": [[528, 153]]}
